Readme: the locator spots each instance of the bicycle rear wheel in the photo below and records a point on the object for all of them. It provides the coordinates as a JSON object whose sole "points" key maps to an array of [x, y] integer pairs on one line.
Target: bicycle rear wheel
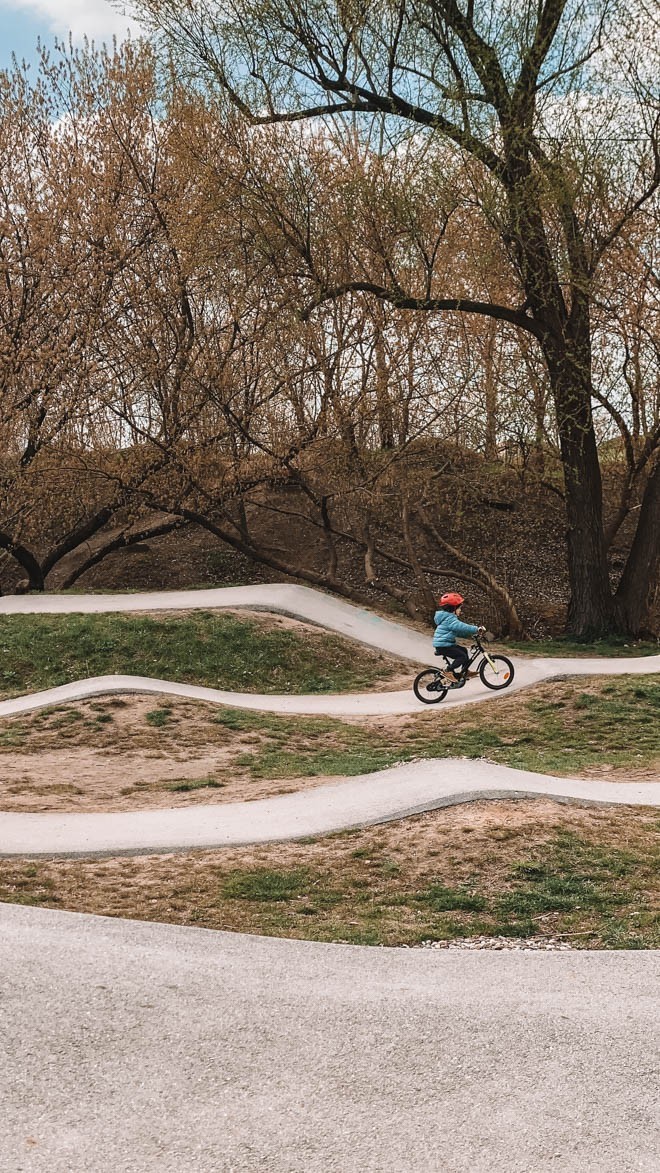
{"points": [[429, 687], [499, 676]]}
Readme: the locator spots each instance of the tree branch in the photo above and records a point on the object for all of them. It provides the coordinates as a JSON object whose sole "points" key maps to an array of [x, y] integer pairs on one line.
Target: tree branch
{"points": [[428, 304]]}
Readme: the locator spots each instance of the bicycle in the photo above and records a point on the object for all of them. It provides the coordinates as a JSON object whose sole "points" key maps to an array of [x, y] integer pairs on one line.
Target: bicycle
{"points": [[496, 672]]}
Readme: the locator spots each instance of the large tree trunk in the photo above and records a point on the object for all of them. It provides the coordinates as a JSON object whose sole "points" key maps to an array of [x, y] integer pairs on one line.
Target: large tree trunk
{"points": [[564, 319], [640, 581], [591, 609]]}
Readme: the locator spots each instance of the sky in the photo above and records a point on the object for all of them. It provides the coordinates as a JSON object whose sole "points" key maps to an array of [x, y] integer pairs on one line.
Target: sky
{"points": [[23, 22]]}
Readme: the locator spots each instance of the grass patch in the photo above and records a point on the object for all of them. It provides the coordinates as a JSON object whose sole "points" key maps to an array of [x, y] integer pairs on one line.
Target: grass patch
{"points": [[558, 728], [265, 885], [14, 737], [349, 761], [158, 717], [207, 648], [580, 883], [503, 869], [185, 785], [439, 898], [565, 646]]}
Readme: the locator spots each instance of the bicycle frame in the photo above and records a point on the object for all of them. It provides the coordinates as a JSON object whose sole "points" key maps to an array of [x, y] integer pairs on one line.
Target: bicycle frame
{"points": [[476, 650], [485, 655]]}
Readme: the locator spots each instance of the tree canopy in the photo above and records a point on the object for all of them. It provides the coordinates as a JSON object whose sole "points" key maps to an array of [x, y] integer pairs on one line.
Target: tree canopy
{"points": [[231, 288]]}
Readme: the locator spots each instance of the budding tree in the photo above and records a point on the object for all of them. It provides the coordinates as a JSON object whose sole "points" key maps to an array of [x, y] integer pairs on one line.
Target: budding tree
{"points": [[550, 109]]}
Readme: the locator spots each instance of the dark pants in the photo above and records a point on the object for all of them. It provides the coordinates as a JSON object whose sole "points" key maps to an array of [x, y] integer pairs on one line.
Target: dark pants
{"points": [[457, 657]]}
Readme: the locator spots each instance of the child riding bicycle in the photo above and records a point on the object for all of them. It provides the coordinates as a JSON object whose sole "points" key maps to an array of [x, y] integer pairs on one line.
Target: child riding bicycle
{"points": [[447, 627]]}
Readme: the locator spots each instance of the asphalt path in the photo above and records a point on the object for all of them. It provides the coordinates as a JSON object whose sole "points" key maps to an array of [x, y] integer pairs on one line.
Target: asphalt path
{"points": [[139, 1047]]}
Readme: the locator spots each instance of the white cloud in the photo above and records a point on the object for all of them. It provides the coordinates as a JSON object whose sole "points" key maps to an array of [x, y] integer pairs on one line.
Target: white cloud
{"points": [[96, 19]]}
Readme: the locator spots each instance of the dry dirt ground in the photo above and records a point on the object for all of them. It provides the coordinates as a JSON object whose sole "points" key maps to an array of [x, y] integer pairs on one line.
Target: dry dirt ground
{"points": [[106, 755]]}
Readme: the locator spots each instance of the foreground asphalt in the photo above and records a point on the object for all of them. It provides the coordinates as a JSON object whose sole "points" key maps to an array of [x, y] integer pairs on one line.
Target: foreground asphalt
{"points": [[136, 1047]]}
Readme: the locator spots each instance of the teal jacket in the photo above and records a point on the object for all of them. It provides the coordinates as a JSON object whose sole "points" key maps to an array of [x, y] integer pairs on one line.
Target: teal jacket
{"points": [[448, 627]]}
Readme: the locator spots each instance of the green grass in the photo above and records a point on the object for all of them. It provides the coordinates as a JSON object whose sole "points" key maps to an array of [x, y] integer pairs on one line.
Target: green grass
{"points": [[560, 728], [581, 883], [186, 785], [158, 717], [265, 884], [439, 898], [591, 894], [565, 646], [40, 651]]}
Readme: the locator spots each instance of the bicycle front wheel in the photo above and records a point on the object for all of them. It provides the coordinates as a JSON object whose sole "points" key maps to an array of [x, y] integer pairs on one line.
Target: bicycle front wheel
{"points": [[496, 674], [429, 687]]}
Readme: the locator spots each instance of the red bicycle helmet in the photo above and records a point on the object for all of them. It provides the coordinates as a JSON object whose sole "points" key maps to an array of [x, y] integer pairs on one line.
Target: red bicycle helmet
{"points": [[451, 600]]}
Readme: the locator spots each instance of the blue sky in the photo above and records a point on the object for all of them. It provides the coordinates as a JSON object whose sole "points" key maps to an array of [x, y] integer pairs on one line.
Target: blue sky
{"points": [[22, 22]]}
